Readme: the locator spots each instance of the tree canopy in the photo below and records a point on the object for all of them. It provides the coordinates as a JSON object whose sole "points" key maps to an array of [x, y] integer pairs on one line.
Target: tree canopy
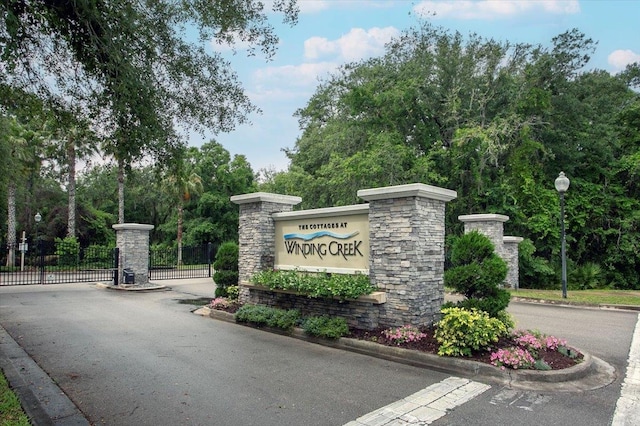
{"points": [[496, 122]]}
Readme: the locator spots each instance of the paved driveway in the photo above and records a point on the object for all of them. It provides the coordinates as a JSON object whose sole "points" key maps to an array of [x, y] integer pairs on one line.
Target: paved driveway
{"points": [[141, 358]]}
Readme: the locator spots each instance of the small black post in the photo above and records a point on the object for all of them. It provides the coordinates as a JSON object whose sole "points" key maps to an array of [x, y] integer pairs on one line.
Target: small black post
{"points": [[209, 247], [116, 265], [41, 255]]}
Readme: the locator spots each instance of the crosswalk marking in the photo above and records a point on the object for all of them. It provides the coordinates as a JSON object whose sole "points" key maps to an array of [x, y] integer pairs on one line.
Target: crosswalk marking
{"points": [[425, 406]]}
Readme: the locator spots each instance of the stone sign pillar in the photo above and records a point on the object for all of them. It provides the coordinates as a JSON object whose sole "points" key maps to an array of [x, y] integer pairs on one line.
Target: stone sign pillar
{"points": [[511, 257], [406, 237], [256, 233], [490, 225], [133, 241]]}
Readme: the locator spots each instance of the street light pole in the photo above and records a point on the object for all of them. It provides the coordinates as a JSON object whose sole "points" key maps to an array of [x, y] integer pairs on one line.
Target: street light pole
{"points": [[562, 184], [38, 218]]}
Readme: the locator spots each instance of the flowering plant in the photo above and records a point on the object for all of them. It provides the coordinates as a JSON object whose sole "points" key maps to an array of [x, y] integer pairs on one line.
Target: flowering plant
{"points": [[526, 352], [535, 341], [406, 333], [514, 357], [220, 303]]}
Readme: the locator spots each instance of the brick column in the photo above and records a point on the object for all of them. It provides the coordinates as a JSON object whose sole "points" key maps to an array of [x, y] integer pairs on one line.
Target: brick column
{"points": [[406, 237], [133, 241], [511, 257], [256, 233]]}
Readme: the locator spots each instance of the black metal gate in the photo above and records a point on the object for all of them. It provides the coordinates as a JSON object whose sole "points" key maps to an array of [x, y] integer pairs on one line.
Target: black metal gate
{"points": [[60, 262], [192, 262]]}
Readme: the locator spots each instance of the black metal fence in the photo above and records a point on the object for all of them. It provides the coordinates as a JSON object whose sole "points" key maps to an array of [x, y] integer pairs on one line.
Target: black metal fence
{"points": [[67, 262], [59, 262], [191, 262]]}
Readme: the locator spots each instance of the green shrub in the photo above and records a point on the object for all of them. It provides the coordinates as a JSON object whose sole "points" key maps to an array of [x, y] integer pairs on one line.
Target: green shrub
{"points": [[259, 315], [233, 291], [324, 326], [534, 271], [68, 251], [493, 305], [585, 277], [460, 332], [477, 272], [226, 266], [317, 285]]}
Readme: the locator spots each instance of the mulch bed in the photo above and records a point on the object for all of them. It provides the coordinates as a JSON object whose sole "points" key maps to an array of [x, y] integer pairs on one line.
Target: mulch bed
{"points": [[429, 344]]}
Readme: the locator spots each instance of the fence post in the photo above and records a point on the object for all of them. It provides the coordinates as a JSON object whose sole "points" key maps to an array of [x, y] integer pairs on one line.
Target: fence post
{"points": [[209, 249], [41, 256], [116, 265]]}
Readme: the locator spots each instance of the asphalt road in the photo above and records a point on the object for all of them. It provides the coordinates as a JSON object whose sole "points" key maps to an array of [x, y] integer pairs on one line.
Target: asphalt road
{"points": [[605, 334], [142, 358]]}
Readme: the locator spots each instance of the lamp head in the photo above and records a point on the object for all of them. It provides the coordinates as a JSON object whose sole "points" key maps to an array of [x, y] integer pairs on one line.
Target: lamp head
{"points": [[562, 183], [38, 217]]}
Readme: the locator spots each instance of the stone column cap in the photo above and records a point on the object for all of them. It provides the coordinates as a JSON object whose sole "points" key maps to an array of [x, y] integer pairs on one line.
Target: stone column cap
{"points": [[510, 239], [409, 190], [132, 226], [266, 197], [483, 218]]}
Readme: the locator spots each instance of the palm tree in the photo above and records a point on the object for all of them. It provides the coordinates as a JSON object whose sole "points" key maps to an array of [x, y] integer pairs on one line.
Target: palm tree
{"points": [[24, 145], [75, 140], [181, 184]]}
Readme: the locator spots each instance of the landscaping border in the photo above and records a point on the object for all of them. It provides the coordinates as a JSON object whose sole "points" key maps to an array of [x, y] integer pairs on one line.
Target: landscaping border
{"points": [[591, 373]]}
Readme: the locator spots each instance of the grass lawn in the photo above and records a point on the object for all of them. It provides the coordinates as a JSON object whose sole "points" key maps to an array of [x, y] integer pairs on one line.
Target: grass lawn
{"points": [[583, 297], [11, 413]]}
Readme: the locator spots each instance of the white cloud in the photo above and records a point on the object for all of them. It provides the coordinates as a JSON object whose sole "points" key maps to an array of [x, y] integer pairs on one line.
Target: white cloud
{"points": [[356, 45], [302, 75], [313, 6], [619, 59], [493, 9]]}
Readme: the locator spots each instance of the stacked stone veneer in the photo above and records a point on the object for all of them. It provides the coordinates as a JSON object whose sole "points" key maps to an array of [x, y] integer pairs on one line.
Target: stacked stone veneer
{"points": [[133, 241], [406, 234], [492, 225], [256, 234], [510, 255]]}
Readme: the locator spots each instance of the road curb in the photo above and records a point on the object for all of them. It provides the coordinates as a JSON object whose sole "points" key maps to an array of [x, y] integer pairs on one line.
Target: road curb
{"points": [[591, 373], [566, 304], [42, 400]]}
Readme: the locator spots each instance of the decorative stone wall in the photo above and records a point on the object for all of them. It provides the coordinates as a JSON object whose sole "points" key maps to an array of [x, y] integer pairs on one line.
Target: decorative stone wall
{"points": [[406, 235], [510, 255], [362, 315], [492, 225], [133, 241], [256, 233]]}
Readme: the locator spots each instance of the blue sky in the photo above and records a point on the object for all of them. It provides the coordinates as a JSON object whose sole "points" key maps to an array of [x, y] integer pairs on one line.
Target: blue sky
{"points": [[330, 33]]}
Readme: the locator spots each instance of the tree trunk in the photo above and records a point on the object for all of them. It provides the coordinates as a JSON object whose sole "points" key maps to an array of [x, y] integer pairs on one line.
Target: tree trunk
{"points": [[71, 187], [120, 191], [11, 224], [179, 237]]}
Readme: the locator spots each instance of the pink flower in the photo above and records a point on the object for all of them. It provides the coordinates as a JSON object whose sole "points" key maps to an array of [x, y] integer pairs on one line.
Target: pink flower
{"points": [[406, 333]]}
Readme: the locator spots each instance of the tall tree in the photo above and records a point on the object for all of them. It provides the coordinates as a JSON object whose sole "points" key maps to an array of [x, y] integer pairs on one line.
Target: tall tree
{"points": [[494, 121], [135, 68], [72, 140], [25, 145], [181, 184]]}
